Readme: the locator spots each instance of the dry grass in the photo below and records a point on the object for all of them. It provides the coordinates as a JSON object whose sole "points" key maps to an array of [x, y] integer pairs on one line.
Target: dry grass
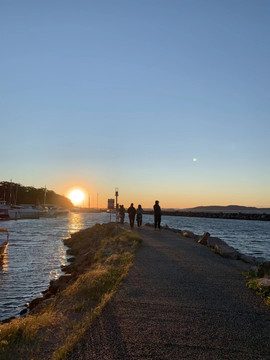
{"points": [[253, 283], [59, 325]]}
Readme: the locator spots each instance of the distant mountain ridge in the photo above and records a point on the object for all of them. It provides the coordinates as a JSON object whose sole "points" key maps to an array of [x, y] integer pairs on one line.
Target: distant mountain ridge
{"points": [[228, 208]]}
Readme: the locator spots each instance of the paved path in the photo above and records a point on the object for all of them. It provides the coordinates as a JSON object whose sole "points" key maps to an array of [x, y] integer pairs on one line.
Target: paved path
{"points": [[179, 301]]}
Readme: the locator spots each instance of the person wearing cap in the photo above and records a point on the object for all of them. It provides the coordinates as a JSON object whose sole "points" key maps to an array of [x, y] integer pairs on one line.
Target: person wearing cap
{"points": [[131, 213]]}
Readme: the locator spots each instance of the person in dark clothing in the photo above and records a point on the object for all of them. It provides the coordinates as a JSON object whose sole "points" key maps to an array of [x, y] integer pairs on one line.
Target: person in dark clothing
{"points": [[157, 214], [122, 211], [131, 213], [139, 213]]}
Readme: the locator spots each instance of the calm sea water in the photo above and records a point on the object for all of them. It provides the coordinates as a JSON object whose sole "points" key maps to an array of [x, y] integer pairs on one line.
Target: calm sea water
{"points": [[36, 250]]}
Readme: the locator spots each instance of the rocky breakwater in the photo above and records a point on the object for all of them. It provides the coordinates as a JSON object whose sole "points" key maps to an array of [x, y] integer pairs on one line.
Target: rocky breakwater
{"points": [[216, 244], [223, 249], [256, 272], [83, 247], [216, 214], [101, 258]]}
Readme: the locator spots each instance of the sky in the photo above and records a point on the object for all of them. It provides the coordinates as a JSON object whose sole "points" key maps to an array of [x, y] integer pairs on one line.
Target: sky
{"points": [[166, 100]]}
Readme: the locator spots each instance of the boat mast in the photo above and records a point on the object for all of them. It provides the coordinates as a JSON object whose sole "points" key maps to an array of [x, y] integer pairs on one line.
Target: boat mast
{"points": [[45, 191]]}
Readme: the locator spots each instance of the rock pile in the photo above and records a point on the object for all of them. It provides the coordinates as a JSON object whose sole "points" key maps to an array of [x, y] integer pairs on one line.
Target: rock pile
{"points": [[223, 249], [263, 275]]}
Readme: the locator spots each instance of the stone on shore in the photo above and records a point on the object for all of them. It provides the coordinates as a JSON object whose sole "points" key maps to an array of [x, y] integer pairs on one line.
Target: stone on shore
{"points": [[213, 241], [247, 259], [188, 234], [264, 283], [23, 312], [35, 303], [59, 284], [227, 251]]}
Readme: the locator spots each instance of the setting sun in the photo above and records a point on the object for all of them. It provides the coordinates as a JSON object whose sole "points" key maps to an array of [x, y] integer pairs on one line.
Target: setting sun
{"points": [[76, 196]]}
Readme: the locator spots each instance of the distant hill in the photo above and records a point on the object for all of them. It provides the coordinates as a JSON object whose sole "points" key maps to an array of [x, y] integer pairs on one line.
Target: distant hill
{"points": [[19, 194], [229, 209]]}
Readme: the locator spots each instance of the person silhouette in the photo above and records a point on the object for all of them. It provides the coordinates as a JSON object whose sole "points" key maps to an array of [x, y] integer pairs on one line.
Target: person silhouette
{"points": [[157, 214], [139, 213], [131, 213], [122, 211]]}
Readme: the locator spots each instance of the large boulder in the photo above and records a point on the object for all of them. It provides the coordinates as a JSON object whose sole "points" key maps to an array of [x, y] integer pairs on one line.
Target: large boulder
{"points": [[188, 234], [264, 283], [227, 251], [35, 303], [248, 259], [59, 284], [213, 241]]}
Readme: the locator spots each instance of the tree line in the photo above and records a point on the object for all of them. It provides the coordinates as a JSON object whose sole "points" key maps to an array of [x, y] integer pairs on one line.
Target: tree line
{"points": [[14, 194]]}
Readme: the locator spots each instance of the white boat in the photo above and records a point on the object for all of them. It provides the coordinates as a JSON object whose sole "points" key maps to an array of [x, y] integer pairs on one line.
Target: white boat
{"points": [[51, 210], [3, 242], [7, 212], [59, 211], [27, 211], [14, 212]]}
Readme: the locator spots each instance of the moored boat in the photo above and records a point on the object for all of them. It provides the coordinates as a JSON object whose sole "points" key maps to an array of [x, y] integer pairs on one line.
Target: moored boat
{"points": [[15, 212], [54, 211], [8, 212], [28, 211]]}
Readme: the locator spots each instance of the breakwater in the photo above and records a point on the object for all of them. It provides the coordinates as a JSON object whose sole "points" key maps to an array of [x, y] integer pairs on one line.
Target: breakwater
{"points": [[216, 215], [36, 251]]}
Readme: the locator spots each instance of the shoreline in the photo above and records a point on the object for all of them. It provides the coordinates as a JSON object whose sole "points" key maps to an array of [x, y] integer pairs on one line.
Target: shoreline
{"points": [[84, 255], [215, 244], [101, 258]]}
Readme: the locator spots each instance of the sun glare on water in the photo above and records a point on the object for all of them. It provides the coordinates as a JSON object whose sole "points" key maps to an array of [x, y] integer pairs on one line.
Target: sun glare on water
{"points": [[76, 196]]}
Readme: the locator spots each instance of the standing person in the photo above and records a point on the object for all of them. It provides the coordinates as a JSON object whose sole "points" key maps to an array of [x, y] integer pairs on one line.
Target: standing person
{"points": [[139, 213], [131, 212], [157, 214], [122, 211]]}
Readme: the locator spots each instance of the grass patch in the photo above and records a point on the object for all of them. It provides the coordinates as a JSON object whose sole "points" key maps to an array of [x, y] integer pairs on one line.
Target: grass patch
{"points": [[58, 326], [254, 284]]}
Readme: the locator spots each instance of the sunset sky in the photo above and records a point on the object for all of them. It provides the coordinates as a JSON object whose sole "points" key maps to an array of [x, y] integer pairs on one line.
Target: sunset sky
{"points": [[164, 99]]}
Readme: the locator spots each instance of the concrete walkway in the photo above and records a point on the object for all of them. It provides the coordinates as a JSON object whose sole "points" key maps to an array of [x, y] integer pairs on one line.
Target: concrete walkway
{"points": [[180, 301]]}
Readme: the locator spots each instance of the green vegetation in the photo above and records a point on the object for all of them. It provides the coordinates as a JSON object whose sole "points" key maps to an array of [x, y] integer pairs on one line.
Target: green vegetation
{"points": [[18, 194], [53, 329], [254, 284]]}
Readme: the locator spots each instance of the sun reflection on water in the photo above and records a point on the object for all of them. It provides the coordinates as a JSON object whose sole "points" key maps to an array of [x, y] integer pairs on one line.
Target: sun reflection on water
{"points": [[75, 223], [4, 264]]}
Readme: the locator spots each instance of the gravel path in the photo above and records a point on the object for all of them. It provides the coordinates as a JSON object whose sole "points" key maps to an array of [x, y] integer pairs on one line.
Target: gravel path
{"points": [[179, 301]]}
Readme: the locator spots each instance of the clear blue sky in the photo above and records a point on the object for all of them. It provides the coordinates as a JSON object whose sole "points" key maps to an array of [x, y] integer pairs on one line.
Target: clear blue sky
{"points": [[104, 94]]}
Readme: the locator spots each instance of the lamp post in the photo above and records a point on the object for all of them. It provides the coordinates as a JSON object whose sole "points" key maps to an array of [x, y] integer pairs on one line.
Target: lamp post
{"points": [[116, 198]]}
